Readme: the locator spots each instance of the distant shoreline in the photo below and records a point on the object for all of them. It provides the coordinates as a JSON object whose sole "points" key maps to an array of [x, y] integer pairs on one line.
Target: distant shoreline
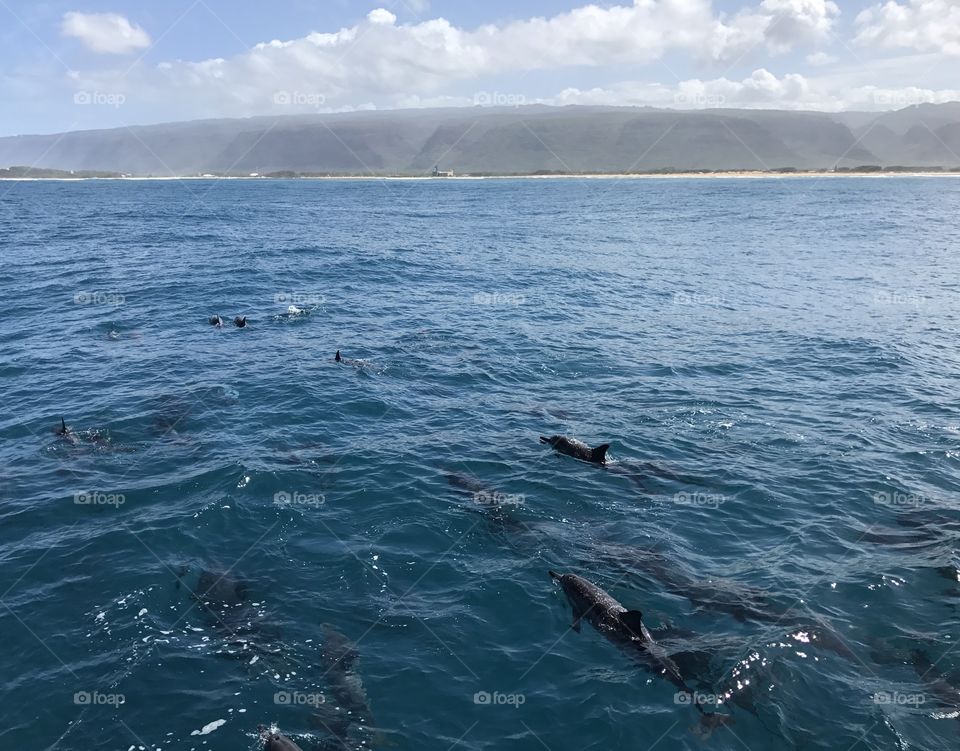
{"points": [[727, 175]]}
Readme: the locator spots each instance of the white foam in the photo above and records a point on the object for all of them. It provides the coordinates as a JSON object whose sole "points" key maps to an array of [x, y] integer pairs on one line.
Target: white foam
{"points": [[209, 727]]}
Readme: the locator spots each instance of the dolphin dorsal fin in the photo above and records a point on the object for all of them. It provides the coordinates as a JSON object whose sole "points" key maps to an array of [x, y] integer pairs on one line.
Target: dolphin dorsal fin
{"points": [[337, 357], [599, 454], [633, 620]]}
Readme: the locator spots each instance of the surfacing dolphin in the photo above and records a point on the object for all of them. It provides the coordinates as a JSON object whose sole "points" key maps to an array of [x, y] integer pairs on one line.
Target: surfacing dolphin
{"points": [[276, 741], [95, 437], [347, 360], [63, 431], [240, 322], [577, 449], [626, 629], [216, 321]]}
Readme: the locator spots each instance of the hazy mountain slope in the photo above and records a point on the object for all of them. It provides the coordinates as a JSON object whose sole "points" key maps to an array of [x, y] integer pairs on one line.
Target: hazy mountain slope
{"points": [[507, 141]]}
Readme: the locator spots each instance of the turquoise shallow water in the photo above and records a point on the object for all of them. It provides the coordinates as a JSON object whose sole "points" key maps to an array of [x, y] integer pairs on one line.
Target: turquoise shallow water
{"points": [[774, 363]]}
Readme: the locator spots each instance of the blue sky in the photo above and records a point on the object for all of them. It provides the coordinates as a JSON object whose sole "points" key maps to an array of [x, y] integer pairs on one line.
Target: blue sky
{"points": [[107, 63]]}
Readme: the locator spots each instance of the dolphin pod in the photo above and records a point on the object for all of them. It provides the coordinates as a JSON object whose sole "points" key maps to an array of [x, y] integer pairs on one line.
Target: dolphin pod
{"points": [[217, 321], [349, 723]]}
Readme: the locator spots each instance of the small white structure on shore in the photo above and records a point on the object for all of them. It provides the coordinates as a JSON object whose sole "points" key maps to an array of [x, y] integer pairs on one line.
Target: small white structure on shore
{"points": [[437, 172]]}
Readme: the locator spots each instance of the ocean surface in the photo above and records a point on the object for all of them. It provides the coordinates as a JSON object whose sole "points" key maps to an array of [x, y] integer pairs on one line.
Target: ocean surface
{"points": [[775, 364]]}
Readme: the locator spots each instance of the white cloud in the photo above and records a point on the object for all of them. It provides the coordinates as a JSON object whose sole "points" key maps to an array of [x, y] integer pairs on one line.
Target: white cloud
{"points": [[381, 59], [924, 25], [104, 32], [380, 62], [382, 16], [761, 90]]}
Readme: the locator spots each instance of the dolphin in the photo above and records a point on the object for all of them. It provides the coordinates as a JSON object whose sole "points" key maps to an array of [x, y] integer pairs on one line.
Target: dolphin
{"points": [[626, 629], [942, 687], [95, 437], [493, 504], [63, 431], [346, 360], [950, 572], [577, 449], [482, 495], [351, 712], [937, 682], [240, 322], [225, 600], [216, 321], [361, 364], [276, 741]]}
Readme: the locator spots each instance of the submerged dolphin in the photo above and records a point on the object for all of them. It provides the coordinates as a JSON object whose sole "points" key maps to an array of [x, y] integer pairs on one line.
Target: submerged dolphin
{"points": [[577, 449], [351, 712], [944, 689], [493, 504], [626, 629], [225, 600]]}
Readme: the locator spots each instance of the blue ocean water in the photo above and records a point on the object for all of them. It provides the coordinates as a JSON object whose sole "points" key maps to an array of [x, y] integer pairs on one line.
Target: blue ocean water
{"points": [[774, 363]]}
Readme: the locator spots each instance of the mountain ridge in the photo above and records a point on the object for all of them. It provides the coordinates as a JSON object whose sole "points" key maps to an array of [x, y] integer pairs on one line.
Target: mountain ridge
{"points": [[507, 140]]}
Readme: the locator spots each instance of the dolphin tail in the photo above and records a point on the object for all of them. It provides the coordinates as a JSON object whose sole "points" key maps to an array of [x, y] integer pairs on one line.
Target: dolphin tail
{"points": [[599, 454], [554, 575]]}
